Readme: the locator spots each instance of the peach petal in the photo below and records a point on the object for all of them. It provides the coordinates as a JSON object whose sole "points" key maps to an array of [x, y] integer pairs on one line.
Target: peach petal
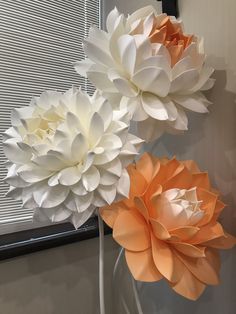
{"points": [[175, 53], [226, 242], [191, 165], [141, 207], [142, 266], [166, 262], [208, 204], [218, 209], [110, 213], [158, 36], [159, 230], [138, 183], [189, 286], [208, 232], [201, 268], [145, 167], [182, 180], [189, 249], [131, 231], [201, 180], [184, 233]]}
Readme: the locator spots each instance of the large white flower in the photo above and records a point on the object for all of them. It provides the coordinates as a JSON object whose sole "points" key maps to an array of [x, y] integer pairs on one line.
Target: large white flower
{"points": [[146, 64], [67, 155]]}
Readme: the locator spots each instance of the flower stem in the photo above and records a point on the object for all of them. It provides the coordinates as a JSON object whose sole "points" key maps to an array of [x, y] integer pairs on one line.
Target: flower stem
{"points": [[101, 264]]}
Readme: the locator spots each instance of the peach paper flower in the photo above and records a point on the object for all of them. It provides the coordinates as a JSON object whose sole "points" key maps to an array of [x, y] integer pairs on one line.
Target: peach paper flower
{"points": [[169, 226]]}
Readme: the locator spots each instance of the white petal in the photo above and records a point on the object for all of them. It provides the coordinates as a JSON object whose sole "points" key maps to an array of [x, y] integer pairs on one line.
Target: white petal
{"points": [[108, 193], [73, 122], [123, 186], [181, 123], [14, 153], [205, 74], [78, 189], [110, 142], [155, 62], [91, 179], [144, 48], [21, 113], [87, 162], [141, 13], [78, 219], [69, 176], [181, 66], [127, 50], [148, 24], [60, 214], [153, 80], [32, 173], [105, 111], [14, 193], [107, 178], [111, 20], [96, 129], [49, 162], [208, 85], [154, 107], [184, 81], [78, 148], [123, 85], [97, 54], [48, 197], [192, 102], [114, 167], [83, 66], [78, 203], [101, 81]]}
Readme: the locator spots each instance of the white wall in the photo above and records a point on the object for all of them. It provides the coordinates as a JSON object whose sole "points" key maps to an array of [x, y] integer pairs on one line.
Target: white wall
{"points": [[211, 141]]}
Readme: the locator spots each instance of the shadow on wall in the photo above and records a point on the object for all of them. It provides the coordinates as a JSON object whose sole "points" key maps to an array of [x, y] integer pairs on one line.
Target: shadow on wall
{"points": [[211, 142], [56, 281]]}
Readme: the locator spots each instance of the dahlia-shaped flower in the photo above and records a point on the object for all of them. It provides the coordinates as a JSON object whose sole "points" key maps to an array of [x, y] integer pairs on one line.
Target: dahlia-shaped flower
{"points": [[169, 225], [67, 154], [146, 64]]}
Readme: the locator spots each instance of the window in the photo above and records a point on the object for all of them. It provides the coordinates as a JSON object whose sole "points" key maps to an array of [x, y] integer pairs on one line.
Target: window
{"points": [[39, 42]]}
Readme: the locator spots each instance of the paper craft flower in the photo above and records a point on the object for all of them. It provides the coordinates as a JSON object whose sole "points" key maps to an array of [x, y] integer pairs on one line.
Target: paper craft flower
{"points": [[67, 155], [169, 225], [146, 64]]}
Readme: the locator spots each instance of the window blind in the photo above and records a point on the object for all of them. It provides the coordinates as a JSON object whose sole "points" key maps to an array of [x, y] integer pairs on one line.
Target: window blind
{"points": [[39, 41]]}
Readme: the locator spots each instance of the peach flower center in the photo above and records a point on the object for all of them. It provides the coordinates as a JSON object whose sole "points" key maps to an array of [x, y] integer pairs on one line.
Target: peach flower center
{"points": [[178, 208], [171, 35]]}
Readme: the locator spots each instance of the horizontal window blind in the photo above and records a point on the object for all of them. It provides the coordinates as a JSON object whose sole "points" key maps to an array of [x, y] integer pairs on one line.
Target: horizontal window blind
{"points": [[39, 41]]}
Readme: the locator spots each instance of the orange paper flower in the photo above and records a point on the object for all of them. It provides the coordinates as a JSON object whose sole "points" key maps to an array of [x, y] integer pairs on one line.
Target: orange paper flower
{"points": [[169, 225]]}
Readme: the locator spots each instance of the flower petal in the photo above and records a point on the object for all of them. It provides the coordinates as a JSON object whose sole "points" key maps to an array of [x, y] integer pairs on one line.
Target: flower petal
{"points": [[189, 286], [91, 179], [153, 80], [165, 260], [154, 107], [142, 266], [131, 231]]}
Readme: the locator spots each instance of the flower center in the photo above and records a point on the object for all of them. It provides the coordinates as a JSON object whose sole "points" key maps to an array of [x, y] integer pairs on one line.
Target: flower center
{"points": [[179, 207]]}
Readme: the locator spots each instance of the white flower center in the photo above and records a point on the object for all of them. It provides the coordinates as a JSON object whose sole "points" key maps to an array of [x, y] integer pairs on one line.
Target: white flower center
{"points": [[180, 208]]}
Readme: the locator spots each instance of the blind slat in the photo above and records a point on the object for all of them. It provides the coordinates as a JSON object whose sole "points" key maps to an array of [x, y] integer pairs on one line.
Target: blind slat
{"points": [[39, 42]]}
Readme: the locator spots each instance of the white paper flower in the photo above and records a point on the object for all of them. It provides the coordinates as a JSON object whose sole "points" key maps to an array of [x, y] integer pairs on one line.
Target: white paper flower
{"points": [[67, 155], [146, 64]]}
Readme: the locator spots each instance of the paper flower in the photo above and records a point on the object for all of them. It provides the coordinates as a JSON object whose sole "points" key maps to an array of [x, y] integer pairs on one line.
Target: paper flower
{"points": [[67, 155], [146, 64], [169, 225]]}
